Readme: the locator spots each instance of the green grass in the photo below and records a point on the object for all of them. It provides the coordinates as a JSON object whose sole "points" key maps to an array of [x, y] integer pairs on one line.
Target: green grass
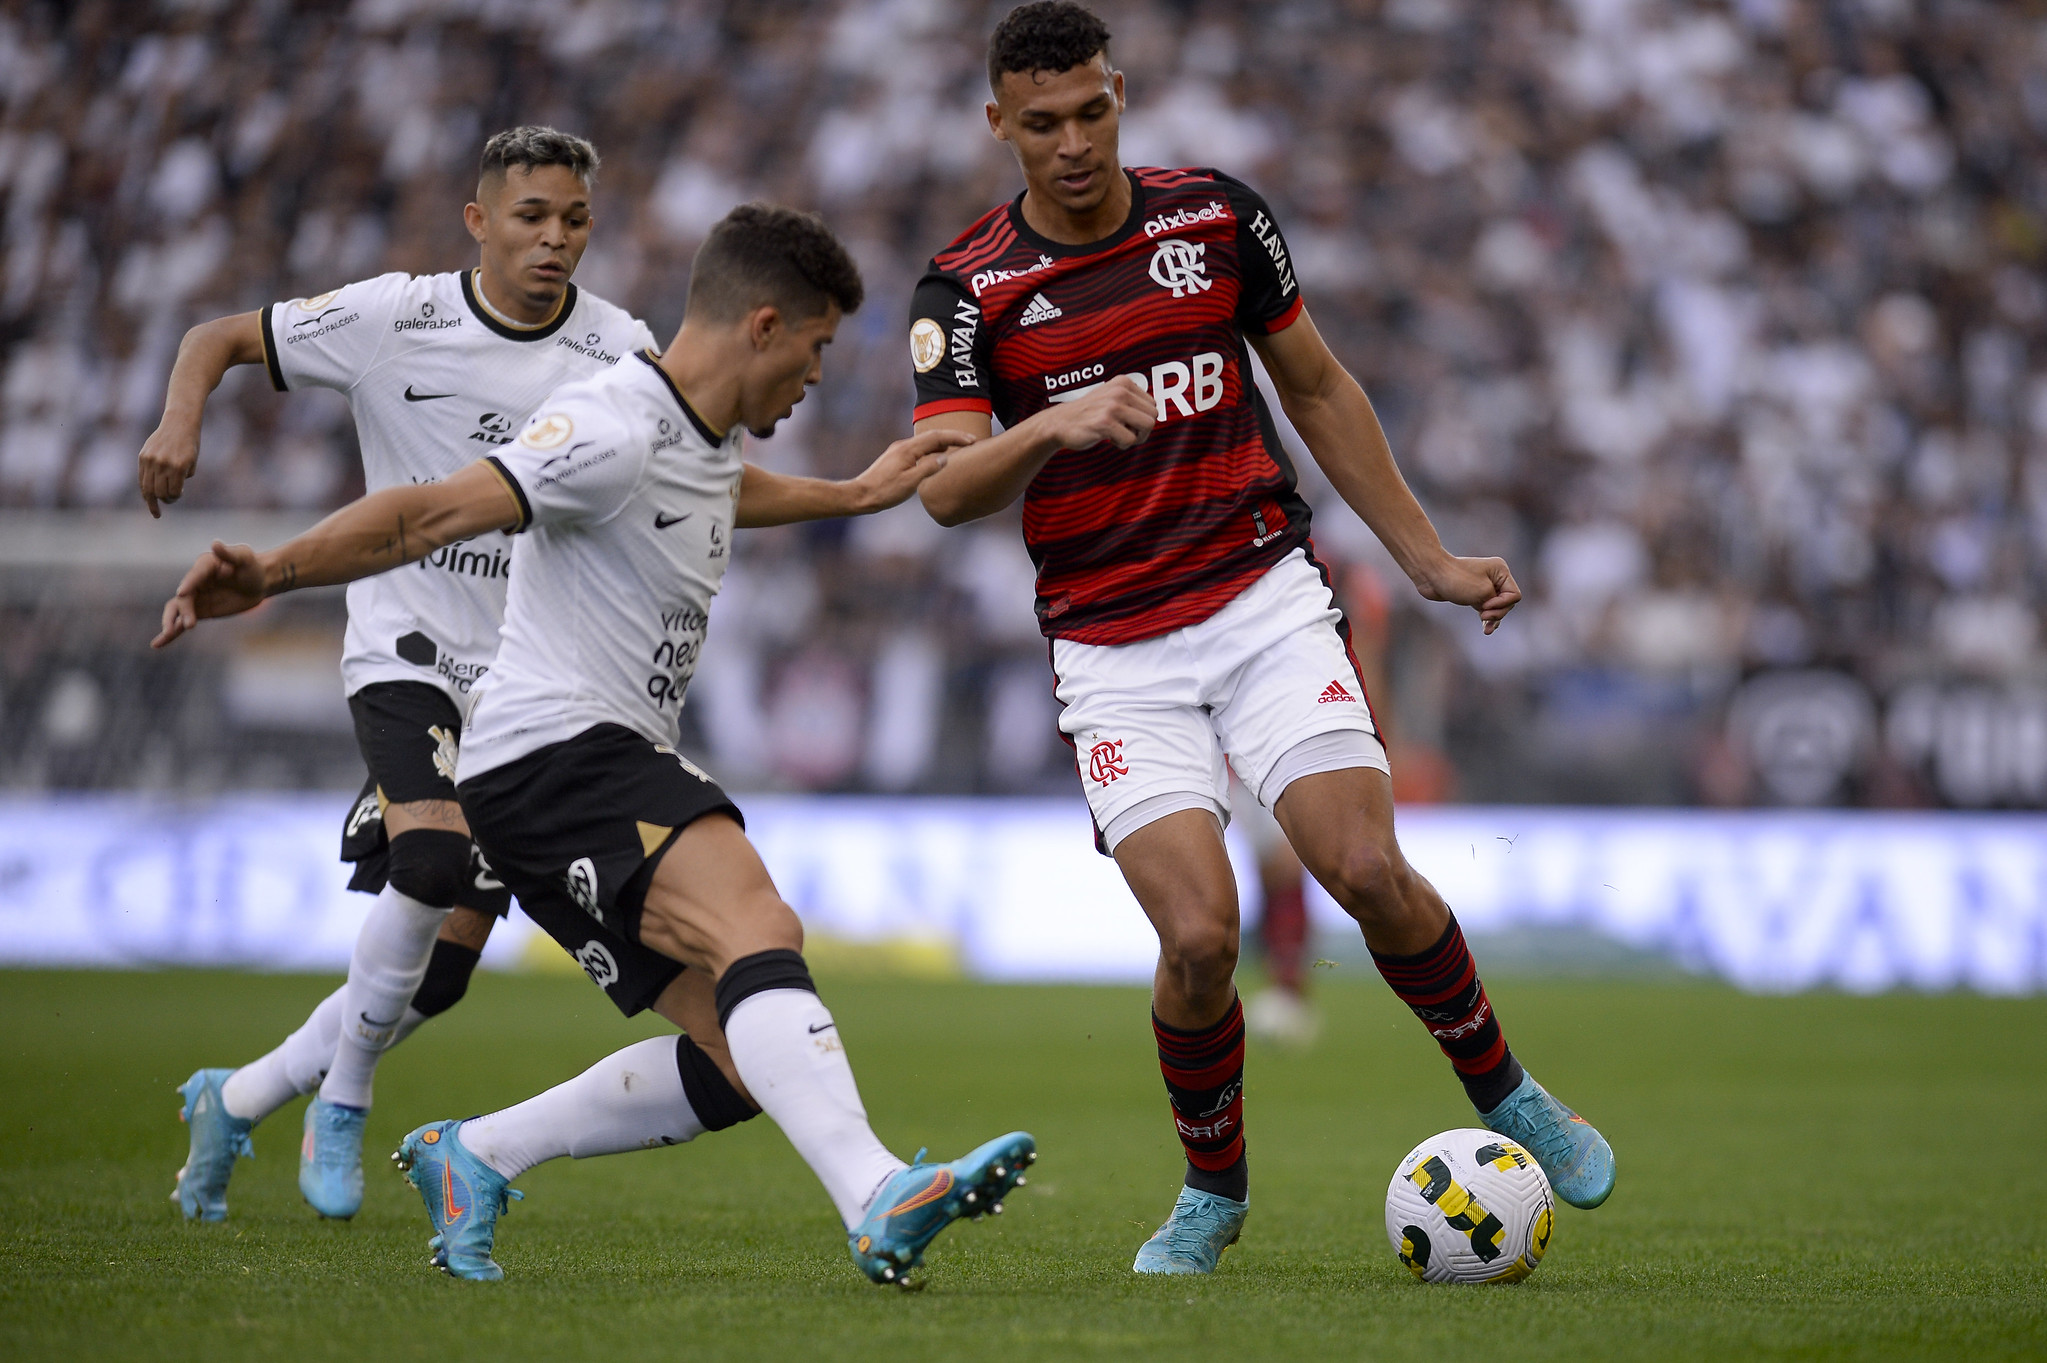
{"points": [[1811, 1177]]}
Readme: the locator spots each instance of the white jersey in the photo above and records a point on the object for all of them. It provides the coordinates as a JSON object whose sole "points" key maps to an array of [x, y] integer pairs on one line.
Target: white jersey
{"points": [[626, 504], [435, 382]]}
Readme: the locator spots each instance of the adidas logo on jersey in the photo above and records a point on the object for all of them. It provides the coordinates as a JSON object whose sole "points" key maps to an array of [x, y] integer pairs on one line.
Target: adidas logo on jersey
{"points": [[1040, 310], [1334, 692]]}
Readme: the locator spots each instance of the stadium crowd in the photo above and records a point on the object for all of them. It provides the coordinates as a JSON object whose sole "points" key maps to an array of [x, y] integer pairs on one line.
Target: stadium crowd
{"points": [[1724, 323]]}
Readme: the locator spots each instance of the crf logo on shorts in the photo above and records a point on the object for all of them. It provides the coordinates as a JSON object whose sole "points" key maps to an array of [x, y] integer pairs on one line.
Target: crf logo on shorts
{"points": [[1106, 762]]}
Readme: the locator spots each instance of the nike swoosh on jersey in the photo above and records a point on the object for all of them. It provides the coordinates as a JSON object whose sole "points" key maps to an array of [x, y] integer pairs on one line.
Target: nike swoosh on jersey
{"points": [[662, 520], [411, 396], [825, 1028]]}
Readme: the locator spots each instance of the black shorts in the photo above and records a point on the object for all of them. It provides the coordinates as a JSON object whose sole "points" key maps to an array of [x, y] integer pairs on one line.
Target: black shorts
{"points": [[408, 733], [576, 830]]}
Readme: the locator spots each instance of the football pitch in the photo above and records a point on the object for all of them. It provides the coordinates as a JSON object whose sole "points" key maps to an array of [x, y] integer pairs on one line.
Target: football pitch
{"points": [[1807, 1177]]}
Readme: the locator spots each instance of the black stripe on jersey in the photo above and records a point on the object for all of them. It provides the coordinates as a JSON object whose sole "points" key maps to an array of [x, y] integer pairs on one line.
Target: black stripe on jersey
{"points": [[539, 333], [270, 352], [497, 466], [646, 357]]}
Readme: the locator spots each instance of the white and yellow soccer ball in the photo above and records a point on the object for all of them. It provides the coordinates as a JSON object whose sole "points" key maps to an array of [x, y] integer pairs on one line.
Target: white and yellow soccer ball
{"points": [[1469, 1206]]}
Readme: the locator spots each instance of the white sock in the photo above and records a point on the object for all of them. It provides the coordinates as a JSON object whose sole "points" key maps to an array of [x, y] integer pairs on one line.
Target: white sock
{"points": [[391, 955], [787, 1050], [297, 1066], [630, 1100]]}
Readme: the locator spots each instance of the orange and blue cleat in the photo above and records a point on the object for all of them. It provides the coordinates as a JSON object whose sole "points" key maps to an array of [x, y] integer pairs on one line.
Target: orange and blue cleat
{"points": [[923, 1199]]}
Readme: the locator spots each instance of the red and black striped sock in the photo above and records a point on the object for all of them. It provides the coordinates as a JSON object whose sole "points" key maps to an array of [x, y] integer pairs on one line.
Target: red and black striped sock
{"points": [[1442, 986], [1204, 1073]]}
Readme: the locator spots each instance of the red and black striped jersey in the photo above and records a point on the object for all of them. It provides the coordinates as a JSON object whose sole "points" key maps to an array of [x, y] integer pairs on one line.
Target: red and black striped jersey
{"points": [[1133, 543]]}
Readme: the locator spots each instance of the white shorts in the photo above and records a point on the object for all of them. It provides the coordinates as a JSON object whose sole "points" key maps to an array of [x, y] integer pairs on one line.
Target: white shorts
{"points": [[1265, 685]]}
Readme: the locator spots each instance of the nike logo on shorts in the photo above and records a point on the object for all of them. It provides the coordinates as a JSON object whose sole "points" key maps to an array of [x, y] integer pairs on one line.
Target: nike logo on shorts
{"points": [[411, 396], [826, 1028], [662, 520]]}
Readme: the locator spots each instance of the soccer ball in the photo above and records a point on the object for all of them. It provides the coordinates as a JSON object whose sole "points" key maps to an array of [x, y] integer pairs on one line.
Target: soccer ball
{"points": [[1469, 1207]]}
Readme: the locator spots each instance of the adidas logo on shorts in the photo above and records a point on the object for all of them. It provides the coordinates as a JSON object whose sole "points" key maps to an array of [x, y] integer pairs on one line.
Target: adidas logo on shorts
{"points": [[1039, 310], [1334, 692]]}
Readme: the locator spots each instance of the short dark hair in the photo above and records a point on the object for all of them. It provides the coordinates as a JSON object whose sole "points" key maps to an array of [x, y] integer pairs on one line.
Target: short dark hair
{"points": [[533, 146], [761, 254], [1052, 35]]}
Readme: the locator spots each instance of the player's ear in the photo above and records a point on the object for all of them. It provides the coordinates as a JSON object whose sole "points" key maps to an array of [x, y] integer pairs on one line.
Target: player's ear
{"points": [[1117, 78], [475, 219], [995, 121], [763, 325]]}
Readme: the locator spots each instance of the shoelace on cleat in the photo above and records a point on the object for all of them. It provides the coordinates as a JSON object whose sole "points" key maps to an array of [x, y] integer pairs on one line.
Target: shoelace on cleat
{"points": [[1193, 1232], [1552, 1142]]}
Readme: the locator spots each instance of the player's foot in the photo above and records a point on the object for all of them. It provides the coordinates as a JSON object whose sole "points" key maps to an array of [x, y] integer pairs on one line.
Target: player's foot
{"points": [[1570, 1150], [1282, 1016], [922, 1200], [217, 1138], [464, 1198], [330, 1158], [1194, 1237]]}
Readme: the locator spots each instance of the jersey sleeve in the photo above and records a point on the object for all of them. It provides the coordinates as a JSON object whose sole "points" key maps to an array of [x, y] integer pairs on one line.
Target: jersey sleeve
{"points": [[329, 340], [946, 348], [574, 461], [1269, 298]]}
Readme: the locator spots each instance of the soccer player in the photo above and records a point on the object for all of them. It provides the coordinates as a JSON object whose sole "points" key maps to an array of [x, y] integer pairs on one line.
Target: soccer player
{"points": [[1191, 628], [437, 370], [625, 489]]}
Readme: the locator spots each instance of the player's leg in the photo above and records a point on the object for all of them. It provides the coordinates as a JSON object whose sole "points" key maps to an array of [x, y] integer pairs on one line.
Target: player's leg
{"points": [[1158, 789], [656, 1093], [245, 1096], [712, 903], [1281, 1011], [660, 1092], [1180, 873], [1342, 823], [636, 863]]}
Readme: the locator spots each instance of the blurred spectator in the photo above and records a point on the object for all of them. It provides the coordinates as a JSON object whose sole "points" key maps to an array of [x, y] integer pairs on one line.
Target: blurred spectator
{"points": [[1725, 322]]}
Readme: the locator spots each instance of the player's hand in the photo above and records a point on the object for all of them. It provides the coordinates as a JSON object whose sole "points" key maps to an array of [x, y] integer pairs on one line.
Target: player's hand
{"points": [[226, 580], [1484, 584], [1119, 412], [168, 458], [890, 480]]}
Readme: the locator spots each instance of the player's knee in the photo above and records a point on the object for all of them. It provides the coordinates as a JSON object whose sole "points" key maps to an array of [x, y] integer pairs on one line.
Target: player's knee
{"points": [[1201, 948], [1370, 882], [430, 865]]}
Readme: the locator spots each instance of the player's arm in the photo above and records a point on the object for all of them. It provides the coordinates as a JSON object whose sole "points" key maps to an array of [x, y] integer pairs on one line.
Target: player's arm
{"points": [[768, 498], [1342, 431], [986, 476], [384, 530], [208, 351]]}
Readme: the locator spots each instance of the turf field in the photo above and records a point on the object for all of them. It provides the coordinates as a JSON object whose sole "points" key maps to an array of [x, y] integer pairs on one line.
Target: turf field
{"points": [[1811, 1177]]}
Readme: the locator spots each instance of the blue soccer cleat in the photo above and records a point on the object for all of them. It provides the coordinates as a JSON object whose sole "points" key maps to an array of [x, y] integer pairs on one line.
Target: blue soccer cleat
{"points": [[330, 1158], [1576, 1157], [919, 1201], [217, 1138], [1194, 1237], [464, 1198]]}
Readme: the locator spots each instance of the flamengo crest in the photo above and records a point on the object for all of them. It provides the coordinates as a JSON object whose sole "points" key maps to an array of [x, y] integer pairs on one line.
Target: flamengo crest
{"points": [[1177, 265]]}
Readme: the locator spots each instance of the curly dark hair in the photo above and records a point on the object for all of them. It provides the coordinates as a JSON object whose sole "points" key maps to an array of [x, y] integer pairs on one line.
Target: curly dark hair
{"points": [[765, 254], [533, 146], [1052, 35]]}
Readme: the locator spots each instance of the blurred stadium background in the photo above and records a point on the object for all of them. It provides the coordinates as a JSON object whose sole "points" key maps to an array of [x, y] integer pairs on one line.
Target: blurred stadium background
{"points": [[1724, 322]]}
